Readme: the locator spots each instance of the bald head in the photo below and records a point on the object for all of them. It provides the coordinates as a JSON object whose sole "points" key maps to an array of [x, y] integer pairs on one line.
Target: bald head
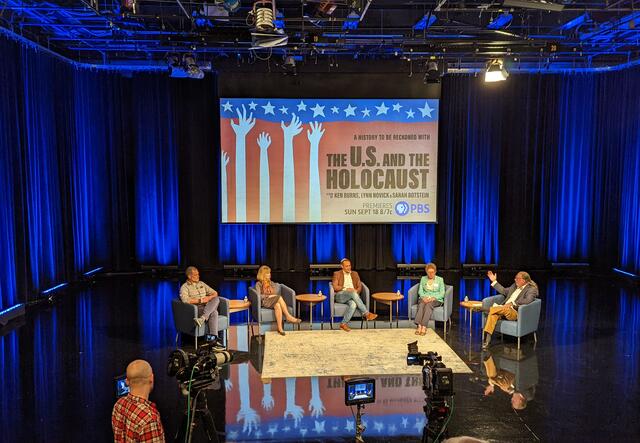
{"points": [[139, 373]]}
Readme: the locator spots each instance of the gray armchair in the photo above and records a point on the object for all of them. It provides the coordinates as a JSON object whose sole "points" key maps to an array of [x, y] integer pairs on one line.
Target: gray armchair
{"points": [[338, 309], [441, 313], [184, 313], [527, 322], [263, 315]]}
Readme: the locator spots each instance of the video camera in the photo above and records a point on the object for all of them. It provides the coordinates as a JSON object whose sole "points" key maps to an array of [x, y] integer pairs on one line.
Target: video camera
{"points": [[199, 368], [437, 384], [437, 379]]}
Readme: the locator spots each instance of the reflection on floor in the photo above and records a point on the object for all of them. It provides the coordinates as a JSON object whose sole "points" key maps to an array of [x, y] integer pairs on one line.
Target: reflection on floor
{"points": [[581, 381]]}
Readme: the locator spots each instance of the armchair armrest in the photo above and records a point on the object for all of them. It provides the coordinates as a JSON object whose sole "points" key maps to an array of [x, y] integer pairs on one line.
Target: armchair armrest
{"points": [[528, 317], [412, 297], [489, 301], [365, 294], [448, 301], [256, 303], [183, 315], [289, 296], [223, 307]]}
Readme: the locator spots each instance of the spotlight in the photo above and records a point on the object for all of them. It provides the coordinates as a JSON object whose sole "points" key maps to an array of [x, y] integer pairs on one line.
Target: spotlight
{"points": [[433, 73], [265, 32], [130, 5], [326, 8], [264, 12], [495, 71], [191, 67], [231, 5], [289, 65]]}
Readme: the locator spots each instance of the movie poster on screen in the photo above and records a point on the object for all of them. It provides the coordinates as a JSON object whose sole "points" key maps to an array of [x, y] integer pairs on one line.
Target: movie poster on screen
{"points": [[328, 160]]}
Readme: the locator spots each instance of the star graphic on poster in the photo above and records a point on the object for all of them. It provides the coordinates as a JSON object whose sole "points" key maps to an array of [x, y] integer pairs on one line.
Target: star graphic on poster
{"points": [[397, 107], [302, 106], [268, 109], [426, 111], [227, 106], [284, 109], [252, 105], [382, 109], [410, 113], [318, 110], [350, 110], [335, 110], [365, 112]]}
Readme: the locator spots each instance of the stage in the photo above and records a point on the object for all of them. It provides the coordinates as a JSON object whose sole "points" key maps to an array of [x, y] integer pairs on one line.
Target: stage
{"points": [[581, 379]]}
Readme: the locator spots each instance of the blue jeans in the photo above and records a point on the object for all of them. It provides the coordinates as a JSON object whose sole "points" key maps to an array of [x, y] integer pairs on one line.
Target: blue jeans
{"points": [[352, 300]]}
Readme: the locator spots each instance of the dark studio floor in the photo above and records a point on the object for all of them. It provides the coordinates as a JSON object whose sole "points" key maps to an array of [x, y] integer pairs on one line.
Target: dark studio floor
{"points": [[582, 378]]}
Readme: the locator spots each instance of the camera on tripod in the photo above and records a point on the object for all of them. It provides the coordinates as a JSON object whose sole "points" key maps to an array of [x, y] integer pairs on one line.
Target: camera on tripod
{"points": [[199, 368], [437, 384], [437, 379]]}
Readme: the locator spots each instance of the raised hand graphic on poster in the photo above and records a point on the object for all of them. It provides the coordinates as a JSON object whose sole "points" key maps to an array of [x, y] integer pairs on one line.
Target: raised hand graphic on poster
{"points": [[315, 196], [293, 410], [288, 174], [224, 161], [316, 407], [264, 141], [242, 128], [267, 398]]}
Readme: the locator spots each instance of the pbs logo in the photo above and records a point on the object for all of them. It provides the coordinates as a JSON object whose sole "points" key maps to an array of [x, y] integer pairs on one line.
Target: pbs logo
{"points": [[402, 208]]}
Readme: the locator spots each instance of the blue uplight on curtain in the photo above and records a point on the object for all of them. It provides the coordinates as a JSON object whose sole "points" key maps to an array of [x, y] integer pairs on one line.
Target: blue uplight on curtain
{"points": [[629, 232], [628, 337], [156, 183], [89, 189], [480, 183], [242, 244], [413, 242], [11, 400], [571, 193], [8, 294], [155, 316], [43, 190], [326, 243]]}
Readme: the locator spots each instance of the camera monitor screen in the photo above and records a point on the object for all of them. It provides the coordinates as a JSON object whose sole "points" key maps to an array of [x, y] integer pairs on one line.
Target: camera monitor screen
{"points": [[121, 386], [359, 391]]}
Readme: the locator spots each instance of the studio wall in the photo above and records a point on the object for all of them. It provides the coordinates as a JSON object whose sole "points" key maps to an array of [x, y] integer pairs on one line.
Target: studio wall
{"points": [[100, 169]]}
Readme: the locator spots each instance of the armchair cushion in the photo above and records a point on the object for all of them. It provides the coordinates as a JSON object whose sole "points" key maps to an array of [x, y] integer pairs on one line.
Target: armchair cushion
{"points": [[184, 313], [264, 315], [527, 322]]}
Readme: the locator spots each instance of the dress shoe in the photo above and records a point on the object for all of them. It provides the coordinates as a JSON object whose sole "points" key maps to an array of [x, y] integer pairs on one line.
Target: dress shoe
{"points": [[371, 316], [296, 321], [345, 327], [281, 333]]}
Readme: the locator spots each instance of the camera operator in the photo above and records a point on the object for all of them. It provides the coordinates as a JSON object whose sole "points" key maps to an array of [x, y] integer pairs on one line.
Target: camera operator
{"points": [[134, 417]]}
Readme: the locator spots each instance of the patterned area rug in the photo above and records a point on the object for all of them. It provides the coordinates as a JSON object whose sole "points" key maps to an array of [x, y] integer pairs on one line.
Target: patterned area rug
{"points": [[359, 352]]}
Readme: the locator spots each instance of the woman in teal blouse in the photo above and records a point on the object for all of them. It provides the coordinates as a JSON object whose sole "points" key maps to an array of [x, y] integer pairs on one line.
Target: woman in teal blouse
{"points": [[430, 295]]}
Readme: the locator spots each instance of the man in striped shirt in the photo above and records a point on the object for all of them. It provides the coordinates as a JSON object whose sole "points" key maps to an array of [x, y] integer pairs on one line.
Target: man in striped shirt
{"points": [[198, 293], [134, 418]]}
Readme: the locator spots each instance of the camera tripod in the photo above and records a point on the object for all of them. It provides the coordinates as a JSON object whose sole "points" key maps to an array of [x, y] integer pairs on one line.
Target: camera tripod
{"points": [[359, 426], [200, 415]]}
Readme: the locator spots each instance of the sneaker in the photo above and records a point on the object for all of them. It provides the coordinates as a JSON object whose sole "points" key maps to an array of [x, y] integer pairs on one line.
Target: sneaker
{"points": [[345, 327], [371, 316], [199, 321]]}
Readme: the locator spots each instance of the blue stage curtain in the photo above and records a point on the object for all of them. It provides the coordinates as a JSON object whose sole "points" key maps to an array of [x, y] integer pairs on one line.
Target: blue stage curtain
{"points": [[571, 173], [89, 166], [413, 243], [242, 244], [156, 173], [9, 131], [43, 191], [480, 175], [326, 243]]}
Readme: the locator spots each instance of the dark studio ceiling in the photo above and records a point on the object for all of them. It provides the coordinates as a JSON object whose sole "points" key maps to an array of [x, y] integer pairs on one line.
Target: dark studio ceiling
{"points": [[463, 35]]}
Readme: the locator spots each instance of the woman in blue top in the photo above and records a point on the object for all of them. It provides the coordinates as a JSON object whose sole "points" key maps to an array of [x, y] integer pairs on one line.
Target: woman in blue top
{"points": [[430, 295]]}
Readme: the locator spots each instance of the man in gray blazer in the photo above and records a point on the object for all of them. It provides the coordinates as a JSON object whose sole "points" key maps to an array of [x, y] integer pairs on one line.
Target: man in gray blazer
{"points": [[522, 292]]}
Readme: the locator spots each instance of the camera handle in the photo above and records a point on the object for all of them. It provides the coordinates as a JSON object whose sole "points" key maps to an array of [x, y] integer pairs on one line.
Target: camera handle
{"points": [[359, 427]]}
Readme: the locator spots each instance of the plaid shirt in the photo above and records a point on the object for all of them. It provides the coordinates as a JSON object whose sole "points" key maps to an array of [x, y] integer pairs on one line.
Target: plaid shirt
{"points": [[135, 419]]}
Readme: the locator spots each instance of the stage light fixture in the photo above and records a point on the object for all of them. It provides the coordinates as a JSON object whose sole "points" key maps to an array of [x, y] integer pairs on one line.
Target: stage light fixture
{"points": [[266, 25], [351, 22], [432, 75], [191, 67], [326, 8], [231, 5], [495, 72], [533, 4]]}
